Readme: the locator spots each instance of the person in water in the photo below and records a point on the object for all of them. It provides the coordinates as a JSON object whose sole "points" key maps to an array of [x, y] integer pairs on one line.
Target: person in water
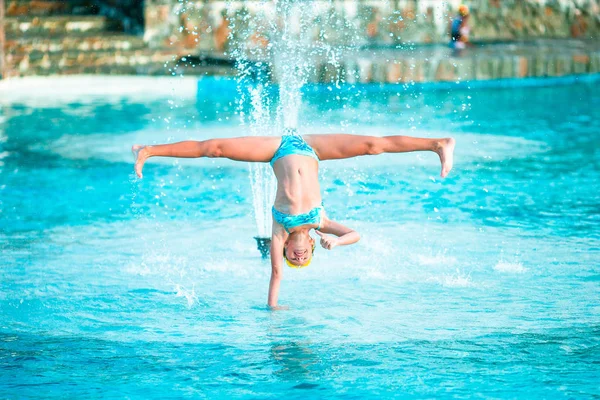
{"points": [[459, 29], [298, 207]]}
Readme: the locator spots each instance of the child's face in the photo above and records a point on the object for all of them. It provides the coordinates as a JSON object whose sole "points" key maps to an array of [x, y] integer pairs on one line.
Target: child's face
{"points": [[298, 251]]}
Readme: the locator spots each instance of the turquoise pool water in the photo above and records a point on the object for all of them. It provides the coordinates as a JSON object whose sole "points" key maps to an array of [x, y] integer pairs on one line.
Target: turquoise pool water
{"points": [[486, 284]]}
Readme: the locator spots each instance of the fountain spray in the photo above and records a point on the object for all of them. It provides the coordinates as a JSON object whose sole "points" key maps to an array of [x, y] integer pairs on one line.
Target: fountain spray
{"points": [[271, 75]]}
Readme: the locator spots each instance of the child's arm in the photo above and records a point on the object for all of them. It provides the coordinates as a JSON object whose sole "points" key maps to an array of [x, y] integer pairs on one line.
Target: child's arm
{"points": [[278, 238], [345, 235]]}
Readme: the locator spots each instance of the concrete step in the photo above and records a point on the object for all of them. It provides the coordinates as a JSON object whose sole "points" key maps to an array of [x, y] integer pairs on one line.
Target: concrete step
{"points": [[148, 68], [59, 61], [146, 61], [48, 26], [74, 43]]}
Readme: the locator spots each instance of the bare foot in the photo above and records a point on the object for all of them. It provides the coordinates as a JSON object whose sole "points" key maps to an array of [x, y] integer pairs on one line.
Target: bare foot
{"points": [[140, 154], [445, 150]]}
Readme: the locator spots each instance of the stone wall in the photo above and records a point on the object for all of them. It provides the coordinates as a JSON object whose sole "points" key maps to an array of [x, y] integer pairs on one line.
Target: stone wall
{"points": [[396, 41], [48, 37], [197, 25], [496, 20]]}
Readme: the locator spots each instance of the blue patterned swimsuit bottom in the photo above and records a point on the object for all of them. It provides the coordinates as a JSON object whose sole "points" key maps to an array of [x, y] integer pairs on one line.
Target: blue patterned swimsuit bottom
{"points": [[295, 144]]}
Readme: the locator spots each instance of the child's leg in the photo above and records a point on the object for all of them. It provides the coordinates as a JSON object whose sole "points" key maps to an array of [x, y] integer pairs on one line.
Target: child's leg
{"points": [[250, 149], [335, 147]]}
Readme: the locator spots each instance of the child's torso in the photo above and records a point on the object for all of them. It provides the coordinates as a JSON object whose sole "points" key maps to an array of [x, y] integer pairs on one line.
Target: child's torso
{"points": [[298, 189]]}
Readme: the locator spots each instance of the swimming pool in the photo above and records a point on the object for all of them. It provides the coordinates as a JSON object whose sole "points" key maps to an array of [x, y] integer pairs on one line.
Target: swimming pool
{"points": [[484, 284]]}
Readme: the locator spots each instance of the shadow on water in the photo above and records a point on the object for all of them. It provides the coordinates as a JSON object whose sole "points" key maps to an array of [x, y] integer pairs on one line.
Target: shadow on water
{"points": [[298, 360]]}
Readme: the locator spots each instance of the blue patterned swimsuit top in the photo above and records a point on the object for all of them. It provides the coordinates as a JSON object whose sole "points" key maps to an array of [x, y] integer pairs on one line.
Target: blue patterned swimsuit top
{"points": [[295, 144]]}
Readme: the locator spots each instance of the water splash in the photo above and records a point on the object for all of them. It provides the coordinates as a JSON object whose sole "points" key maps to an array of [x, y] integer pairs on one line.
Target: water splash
{"points": [[511, 268], [291, 51], [188, 294], [458, 279], [261, 177]]}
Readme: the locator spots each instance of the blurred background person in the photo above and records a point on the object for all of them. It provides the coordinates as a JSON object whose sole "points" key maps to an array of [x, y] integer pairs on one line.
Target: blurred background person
{"points": [[459, 29]]}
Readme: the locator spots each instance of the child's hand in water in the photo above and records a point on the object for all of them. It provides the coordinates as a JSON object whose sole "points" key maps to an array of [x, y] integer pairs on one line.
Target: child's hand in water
{"points": [[279, 308], [328, 242]]}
